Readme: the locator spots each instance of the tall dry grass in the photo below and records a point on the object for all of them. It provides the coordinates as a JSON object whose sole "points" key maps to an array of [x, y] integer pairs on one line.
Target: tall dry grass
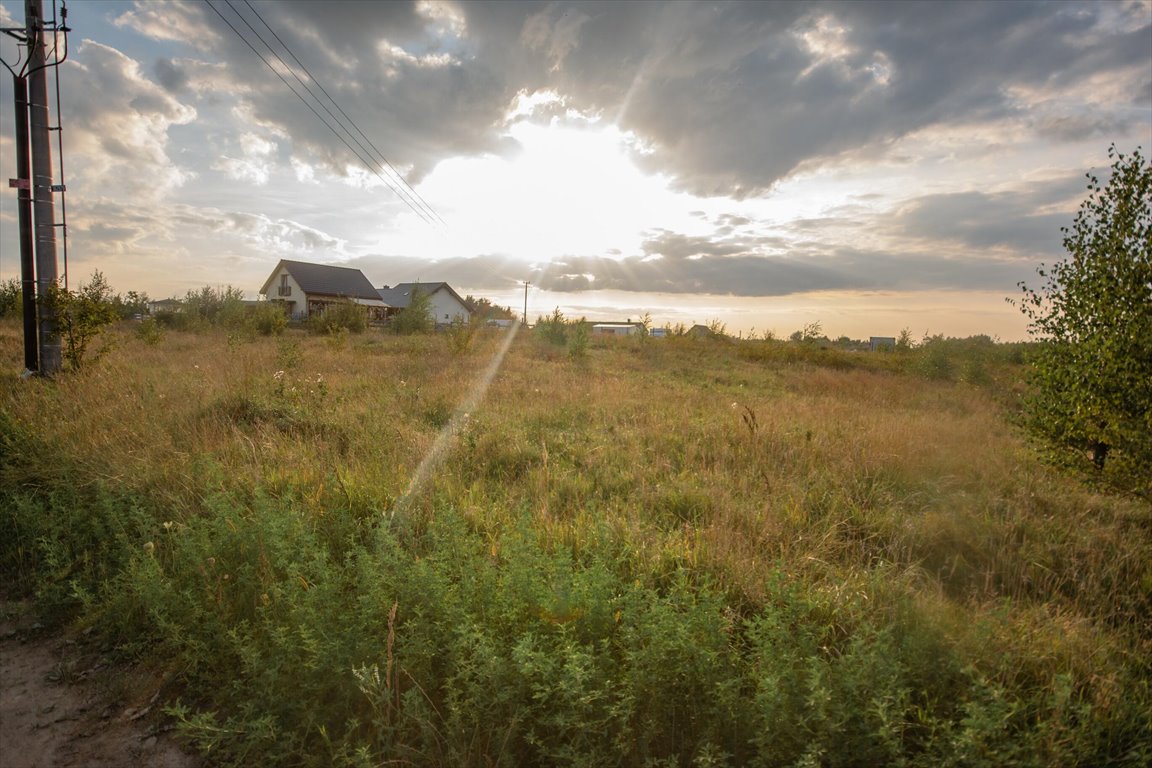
{"points": [[870, 505]]}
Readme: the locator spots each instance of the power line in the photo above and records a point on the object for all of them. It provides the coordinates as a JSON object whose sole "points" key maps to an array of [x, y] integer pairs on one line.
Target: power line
{"points": [[414, 196], [347, 117], [367, 163]]}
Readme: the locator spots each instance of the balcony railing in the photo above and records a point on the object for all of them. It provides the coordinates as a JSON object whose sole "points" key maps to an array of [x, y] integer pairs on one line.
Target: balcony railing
{"points": [[284, 290]]}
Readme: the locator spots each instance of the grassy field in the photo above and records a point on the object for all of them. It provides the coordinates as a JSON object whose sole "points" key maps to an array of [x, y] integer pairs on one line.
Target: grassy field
{"points": [[660, 553]]}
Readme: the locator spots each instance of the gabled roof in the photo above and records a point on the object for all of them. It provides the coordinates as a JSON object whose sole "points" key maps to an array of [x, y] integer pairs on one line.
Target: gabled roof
{"points": [[325, 280], [400, 295]]}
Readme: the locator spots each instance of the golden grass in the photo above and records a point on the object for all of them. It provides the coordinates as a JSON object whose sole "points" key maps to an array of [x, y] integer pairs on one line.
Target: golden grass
{"points": [[688, 454]]}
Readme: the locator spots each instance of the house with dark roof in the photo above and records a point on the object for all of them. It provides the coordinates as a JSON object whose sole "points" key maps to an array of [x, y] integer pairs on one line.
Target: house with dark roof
{"points": [[445, 305], [305, 289]]}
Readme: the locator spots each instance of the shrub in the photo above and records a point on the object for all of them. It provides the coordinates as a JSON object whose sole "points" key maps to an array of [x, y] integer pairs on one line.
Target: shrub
{"points": [[149, 331], [461, 335], [215, 306], [345, 315], [578, 340], [81, 316], [269, 318], [416, 317], [11, 298], [553, 329]]}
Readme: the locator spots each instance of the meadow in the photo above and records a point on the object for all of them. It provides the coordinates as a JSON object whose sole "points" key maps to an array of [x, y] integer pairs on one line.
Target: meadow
{"points": [[656, 552]]}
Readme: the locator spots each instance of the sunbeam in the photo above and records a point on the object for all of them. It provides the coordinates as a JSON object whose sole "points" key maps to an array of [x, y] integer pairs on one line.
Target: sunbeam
{"points": [[447, 437]]}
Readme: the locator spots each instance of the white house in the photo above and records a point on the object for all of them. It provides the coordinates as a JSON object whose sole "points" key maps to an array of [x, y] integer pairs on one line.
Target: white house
{"points": [[445, 305], [305, 288], [616, 329]]}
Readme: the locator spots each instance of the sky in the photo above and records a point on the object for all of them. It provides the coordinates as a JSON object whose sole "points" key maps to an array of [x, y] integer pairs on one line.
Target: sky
{"points": [[870, 166]]}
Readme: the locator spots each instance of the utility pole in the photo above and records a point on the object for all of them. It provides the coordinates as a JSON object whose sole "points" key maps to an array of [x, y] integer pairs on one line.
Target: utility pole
{"points": [[526, 284], [42, 190], [24, 209]]}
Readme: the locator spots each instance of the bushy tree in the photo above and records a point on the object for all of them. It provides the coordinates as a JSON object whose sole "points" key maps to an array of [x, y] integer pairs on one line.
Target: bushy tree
{"points": [[216, 306], [553, 329], [482, 309], [11, 300], [269, 318], [130, 304], [81, 316], [416, 317], [1091, 378], [346, 315]]}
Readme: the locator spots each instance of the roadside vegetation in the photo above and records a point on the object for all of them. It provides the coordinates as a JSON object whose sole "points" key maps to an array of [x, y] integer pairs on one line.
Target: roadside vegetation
{"points": [[637, 552]]}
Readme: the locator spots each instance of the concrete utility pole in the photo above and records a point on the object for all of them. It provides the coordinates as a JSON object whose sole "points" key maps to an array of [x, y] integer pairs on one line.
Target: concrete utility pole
{"points": [[41, 178], [24, 211], [526, 284]]}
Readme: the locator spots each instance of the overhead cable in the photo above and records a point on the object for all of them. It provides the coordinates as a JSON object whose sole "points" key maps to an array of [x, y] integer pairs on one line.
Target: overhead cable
{"points": [[339, 109], [367, 162]]}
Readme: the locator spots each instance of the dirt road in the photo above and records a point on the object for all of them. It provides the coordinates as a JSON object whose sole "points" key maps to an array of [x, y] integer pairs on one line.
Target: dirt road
{"points": [[63, 705]]}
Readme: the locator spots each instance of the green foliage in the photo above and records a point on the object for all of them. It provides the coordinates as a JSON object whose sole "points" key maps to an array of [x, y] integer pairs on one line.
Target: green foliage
{"points": [[618, 566], [221, 306], [482, 310], [461, 334], [904, 341], [341, 315], [1091, 382], [269, 318], [81, 316], [809, 334], [553, 329], [131, 304], [149, 331], [289, 355], [578, 339], [416, 317], [11, 298]]}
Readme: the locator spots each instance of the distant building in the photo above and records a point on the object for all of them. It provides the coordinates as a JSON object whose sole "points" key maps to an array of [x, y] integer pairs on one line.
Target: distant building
{"points": [[305, 289], [165, 305], [700, 332], [878, 343], [616, 329], [445, 305]]}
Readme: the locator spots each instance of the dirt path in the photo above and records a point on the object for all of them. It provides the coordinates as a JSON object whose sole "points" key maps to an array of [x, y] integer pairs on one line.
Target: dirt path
{"points": [[63, 706]]}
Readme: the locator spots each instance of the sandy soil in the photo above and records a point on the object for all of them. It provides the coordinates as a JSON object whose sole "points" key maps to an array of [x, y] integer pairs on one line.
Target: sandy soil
{"points": [[63, 705]]}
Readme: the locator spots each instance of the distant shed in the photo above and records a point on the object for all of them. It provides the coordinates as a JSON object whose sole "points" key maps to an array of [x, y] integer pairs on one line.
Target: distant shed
{"points": [[614, 329], [885, 343]]}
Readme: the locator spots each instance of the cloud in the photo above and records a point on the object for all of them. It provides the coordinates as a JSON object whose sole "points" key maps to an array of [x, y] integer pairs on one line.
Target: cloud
{"points": [[725, 99], [1021, 220], [118, 122]]}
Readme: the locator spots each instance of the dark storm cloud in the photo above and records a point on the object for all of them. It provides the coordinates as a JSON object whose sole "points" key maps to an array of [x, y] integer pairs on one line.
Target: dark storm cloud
{"points": [[492, 272], [676, 263], [1006, 219], [746, 274], [171, 76], [734, 97], [729, 98]]}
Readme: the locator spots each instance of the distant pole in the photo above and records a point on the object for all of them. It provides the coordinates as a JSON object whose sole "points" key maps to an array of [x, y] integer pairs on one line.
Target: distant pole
{"points": [[526, 284], [42, 202], [24, 210]]}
